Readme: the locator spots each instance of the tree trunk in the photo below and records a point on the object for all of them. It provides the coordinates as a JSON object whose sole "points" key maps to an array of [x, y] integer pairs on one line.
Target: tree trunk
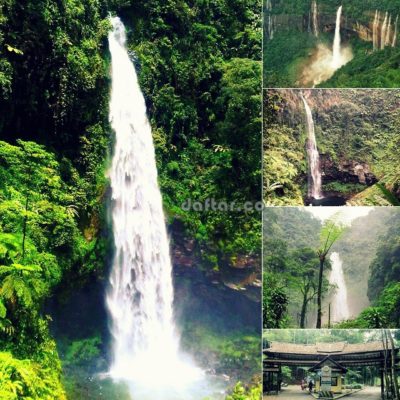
{"points": [[329, 317], [319, 293], [304, 310], [24, 228], [385, 373], [393, 365]]}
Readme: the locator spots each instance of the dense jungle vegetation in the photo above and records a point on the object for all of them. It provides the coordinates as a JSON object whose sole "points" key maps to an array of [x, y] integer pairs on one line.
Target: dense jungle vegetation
{"points": [[357, 139], [370, 265], [288, 47], [200, 72]]}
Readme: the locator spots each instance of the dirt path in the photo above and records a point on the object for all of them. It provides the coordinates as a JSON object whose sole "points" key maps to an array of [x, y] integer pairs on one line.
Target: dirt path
{"points": [[369, 393], [290, 392]]}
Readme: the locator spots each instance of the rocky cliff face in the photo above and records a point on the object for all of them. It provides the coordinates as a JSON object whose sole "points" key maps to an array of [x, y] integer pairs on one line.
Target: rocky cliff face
{"points": [[240, 274], [346, 171], [326, 22]]}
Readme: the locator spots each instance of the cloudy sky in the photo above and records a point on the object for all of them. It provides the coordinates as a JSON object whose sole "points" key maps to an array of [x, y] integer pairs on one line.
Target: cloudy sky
{"points": [[344, 215]]}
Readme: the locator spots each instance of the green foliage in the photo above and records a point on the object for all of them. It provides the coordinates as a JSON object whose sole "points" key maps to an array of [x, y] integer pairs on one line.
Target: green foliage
{"points": [[27, 379], [81, 352], [275, 302], [39, 242], [343, 188], [283, 56], [241, 393], [283, 157]]}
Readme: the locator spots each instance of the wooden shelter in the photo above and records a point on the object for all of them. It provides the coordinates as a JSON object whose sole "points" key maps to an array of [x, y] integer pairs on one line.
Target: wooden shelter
{"points": [[338, 355]]}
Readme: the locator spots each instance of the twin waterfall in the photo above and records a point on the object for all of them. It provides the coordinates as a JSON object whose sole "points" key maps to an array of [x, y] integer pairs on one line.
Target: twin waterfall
{"points": [[145, 345], [339, 305], [383, 34], [314, 177]]}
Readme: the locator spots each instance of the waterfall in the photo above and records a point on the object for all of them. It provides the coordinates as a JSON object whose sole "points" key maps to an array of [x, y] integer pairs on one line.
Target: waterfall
{"points": [[314, 11], [315, 180], [270, 26], [339, 306], [388, 30], [383, 31], [375, 26], [336, 53], [395, 32], [145, 345]]}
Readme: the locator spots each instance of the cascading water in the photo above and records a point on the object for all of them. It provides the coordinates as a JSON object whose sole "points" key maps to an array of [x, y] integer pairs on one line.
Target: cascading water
{"points": [[383, 31], [325, 60], [395, 32], [145, 347], [388, 31], [375, 26], [314, 11], [339, 305], [315, 180], [337, 61]]}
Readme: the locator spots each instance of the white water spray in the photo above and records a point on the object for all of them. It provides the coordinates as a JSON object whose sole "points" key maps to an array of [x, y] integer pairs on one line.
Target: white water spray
{"points": [[339, 306], [315, 180], [145, 345], [336, 52]]}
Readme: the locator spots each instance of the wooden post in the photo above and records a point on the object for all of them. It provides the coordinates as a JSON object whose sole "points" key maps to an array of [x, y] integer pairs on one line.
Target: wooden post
{"points": [[382, 385], [329, 316]]}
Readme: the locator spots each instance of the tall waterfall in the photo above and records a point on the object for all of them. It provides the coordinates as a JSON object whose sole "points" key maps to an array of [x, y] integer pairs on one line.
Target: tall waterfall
{"points": [[145, 347], [336, 52], [375, 34], [395, 32], [383, 31], [388, 31], [314, 12], [315, 180], [339, 306]]}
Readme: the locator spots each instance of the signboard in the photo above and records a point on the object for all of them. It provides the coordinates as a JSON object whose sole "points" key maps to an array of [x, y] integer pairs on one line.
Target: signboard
{"points": [[326, 378]]}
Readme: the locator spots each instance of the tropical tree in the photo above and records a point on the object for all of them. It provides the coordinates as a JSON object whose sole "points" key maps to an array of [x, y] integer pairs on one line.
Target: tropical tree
{"points": [[330, 233]]}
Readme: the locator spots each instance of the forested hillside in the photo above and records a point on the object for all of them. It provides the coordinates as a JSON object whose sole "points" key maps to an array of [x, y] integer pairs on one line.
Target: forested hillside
{"points": [[199, 69], [356, 136], [384, 281], [289, 264], [296, 31]]}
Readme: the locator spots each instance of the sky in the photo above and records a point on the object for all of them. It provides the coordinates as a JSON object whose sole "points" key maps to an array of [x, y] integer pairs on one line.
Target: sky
{"points": [[345, 215]]}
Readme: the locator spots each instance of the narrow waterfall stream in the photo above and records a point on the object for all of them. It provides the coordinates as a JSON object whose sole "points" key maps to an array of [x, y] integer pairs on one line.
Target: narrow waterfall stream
{"points": [[145, 341], [339, 305], [375, 27], [315, 180], [314, 12], [337, 61]]}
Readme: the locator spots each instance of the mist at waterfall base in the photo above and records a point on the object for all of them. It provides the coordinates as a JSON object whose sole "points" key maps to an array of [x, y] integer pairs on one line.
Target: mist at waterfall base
{"points": [[325, 60], [145, 341]]}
